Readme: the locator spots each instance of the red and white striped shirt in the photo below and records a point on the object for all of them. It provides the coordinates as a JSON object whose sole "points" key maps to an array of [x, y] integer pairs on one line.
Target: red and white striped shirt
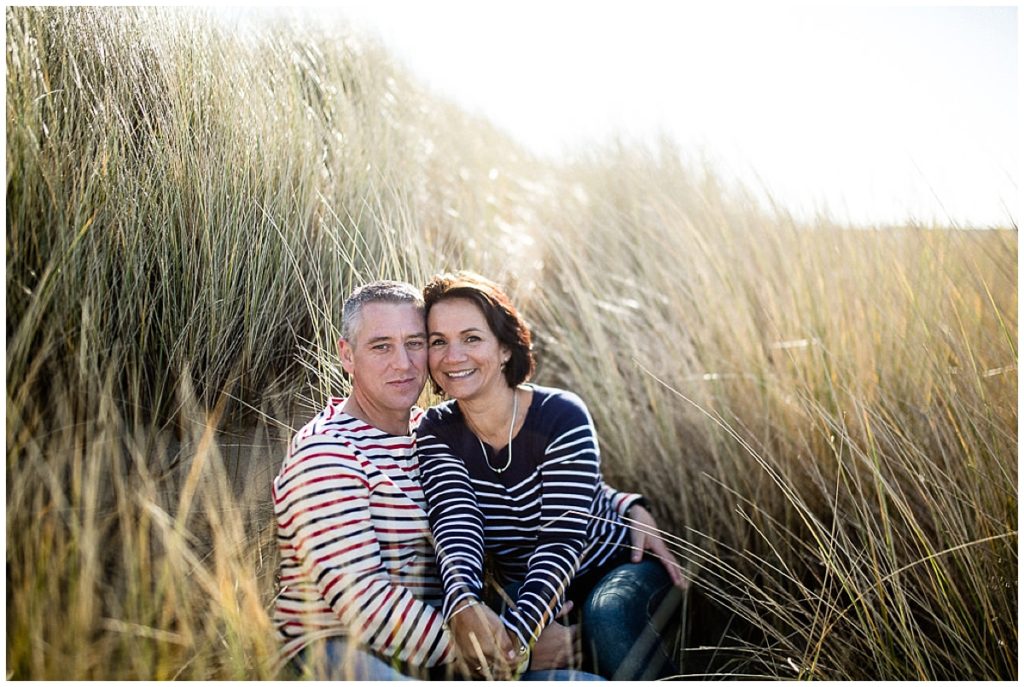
{"points": [[356, 557]]}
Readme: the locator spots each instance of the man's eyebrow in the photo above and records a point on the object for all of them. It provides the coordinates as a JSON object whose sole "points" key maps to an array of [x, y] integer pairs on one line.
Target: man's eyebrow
{"points": [[384, 339]]}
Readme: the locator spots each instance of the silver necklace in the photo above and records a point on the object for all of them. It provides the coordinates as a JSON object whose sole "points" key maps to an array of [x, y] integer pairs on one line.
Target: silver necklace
{"points": [[515, 411]]}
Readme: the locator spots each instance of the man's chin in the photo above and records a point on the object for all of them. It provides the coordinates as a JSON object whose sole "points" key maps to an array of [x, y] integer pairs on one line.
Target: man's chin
{"points": [[405, 400]]}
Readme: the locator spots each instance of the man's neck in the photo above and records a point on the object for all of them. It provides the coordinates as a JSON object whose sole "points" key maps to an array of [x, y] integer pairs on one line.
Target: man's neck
{"points": [[396, 423]]}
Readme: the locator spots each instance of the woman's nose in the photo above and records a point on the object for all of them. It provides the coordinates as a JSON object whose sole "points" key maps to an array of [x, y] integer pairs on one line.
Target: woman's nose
{"points": [[454, 351]]}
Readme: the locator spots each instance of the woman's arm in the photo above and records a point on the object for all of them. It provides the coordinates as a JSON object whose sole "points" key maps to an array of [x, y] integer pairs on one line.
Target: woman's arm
{"points": [[455, 518], [458, 528], [644, 534], [570, 477]]}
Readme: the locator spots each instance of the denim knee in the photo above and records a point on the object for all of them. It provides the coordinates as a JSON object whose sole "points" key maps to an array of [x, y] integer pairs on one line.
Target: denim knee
{"points": [[619, 592], [626, 618]]}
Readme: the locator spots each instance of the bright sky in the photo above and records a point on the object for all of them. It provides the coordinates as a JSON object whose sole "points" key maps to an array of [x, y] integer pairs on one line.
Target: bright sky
{"points": [[875, 113]]}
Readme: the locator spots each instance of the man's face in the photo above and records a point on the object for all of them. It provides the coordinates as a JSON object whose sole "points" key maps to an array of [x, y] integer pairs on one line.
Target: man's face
{"points": [[387, 356]]}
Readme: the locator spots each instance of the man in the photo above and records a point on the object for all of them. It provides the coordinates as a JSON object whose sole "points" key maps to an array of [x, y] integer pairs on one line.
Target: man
{"points": [[356, 563], [360, 596]]}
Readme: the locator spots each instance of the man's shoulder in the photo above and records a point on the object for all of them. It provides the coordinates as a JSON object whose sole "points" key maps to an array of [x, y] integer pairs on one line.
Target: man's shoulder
{"points": [[322, 443], [334, 431], [332, 422], [415, 416]]}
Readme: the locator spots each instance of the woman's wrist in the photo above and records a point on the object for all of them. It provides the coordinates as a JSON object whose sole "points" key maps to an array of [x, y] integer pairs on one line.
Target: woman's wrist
{"points": [[461, 606]]}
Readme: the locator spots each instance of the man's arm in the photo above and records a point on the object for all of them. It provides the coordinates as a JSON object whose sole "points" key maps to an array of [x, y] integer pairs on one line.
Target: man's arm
{"points": [[323, 501], [621, 501]]}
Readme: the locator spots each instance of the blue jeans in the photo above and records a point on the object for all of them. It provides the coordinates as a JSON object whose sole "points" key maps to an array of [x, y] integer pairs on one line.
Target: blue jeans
{"points": [[336, 658], [628, 614], [559, 675]]}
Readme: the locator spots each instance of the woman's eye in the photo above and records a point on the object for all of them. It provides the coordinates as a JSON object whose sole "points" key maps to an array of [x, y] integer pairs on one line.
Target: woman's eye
{"points": [[437, 342], [472, 338]]}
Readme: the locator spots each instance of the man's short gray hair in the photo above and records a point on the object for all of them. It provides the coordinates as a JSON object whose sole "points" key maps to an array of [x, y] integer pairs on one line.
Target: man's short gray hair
{"points": [[376, 292]]}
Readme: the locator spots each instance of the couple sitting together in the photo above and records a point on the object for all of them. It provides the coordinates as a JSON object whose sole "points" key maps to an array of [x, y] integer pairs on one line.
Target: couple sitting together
{"points": [[475, 539]]}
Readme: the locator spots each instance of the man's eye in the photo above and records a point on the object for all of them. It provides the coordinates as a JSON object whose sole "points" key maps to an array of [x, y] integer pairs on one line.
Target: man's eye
{"points": [[381, 347], [415, 345]]}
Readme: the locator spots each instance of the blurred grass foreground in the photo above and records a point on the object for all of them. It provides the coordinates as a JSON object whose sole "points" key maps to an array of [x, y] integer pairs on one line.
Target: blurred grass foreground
{"points": [[825, 417]]}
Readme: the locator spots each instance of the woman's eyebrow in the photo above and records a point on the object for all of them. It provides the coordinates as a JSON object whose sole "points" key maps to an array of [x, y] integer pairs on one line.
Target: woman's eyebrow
{"points": [[464, 331]]}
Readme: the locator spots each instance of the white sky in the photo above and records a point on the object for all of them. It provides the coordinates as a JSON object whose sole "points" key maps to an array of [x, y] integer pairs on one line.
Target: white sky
{"points": [[877, 113]]}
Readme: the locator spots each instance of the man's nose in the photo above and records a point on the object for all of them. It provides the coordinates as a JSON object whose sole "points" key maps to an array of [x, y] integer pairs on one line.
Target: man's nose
{"points": [[402, 359]]}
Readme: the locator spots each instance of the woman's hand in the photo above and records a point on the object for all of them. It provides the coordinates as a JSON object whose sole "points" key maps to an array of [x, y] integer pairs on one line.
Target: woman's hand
{"points": [[648, 537], [556, 648], [482, 643]]}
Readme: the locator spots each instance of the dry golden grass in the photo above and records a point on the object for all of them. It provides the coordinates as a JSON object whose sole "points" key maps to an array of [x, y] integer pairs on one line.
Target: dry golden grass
{"points": [[824, 417]]}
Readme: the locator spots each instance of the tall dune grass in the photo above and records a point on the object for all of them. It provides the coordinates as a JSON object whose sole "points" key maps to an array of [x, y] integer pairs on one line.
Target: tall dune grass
{"points": [[824, 417], [831, 413]]}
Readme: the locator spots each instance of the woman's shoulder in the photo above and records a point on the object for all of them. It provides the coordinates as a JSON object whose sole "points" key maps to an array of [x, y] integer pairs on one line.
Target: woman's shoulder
{"points": [[551, 400], [441, 415]]}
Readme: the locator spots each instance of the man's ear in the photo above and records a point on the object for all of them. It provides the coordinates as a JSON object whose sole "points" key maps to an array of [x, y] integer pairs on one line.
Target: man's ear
{"points": [[345, 353]]}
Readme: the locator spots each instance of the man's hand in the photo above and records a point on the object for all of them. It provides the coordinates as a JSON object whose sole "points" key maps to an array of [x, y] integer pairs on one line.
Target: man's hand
{"points": [[556, 648], [482, 642], [644, 535]]}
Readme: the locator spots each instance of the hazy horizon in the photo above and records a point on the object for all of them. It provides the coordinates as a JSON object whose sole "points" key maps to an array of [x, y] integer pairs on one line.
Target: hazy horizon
{"points": [[875, 114]]}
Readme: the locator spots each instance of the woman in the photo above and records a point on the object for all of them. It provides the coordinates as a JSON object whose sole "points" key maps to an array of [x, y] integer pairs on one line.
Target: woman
{"points": [[514, 470]]}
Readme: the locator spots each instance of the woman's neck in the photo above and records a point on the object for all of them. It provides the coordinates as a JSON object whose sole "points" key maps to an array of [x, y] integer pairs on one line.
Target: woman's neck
{"points": [[491, 417]]}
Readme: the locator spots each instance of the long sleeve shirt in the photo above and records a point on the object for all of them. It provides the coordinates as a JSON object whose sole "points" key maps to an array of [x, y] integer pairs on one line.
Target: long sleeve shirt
{"points": [[356, 555], [546, 518]]}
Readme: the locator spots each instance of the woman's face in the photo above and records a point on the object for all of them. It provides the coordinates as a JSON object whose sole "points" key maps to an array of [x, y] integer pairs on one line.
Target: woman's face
{"points": [[465, 356]]}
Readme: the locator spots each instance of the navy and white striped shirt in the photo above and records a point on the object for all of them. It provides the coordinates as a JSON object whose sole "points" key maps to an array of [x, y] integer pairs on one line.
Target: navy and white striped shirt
{"points": [[548, 517]]}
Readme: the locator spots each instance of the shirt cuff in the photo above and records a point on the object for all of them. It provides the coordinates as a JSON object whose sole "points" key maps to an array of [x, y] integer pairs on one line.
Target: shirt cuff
{"points": [[631, 500], [519, 626]]}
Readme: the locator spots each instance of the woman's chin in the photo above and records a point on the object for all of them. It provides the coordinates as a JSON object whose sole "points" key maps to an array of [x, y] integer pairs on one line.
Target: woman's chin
{"points": [[455, 389], [455, 395]]}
